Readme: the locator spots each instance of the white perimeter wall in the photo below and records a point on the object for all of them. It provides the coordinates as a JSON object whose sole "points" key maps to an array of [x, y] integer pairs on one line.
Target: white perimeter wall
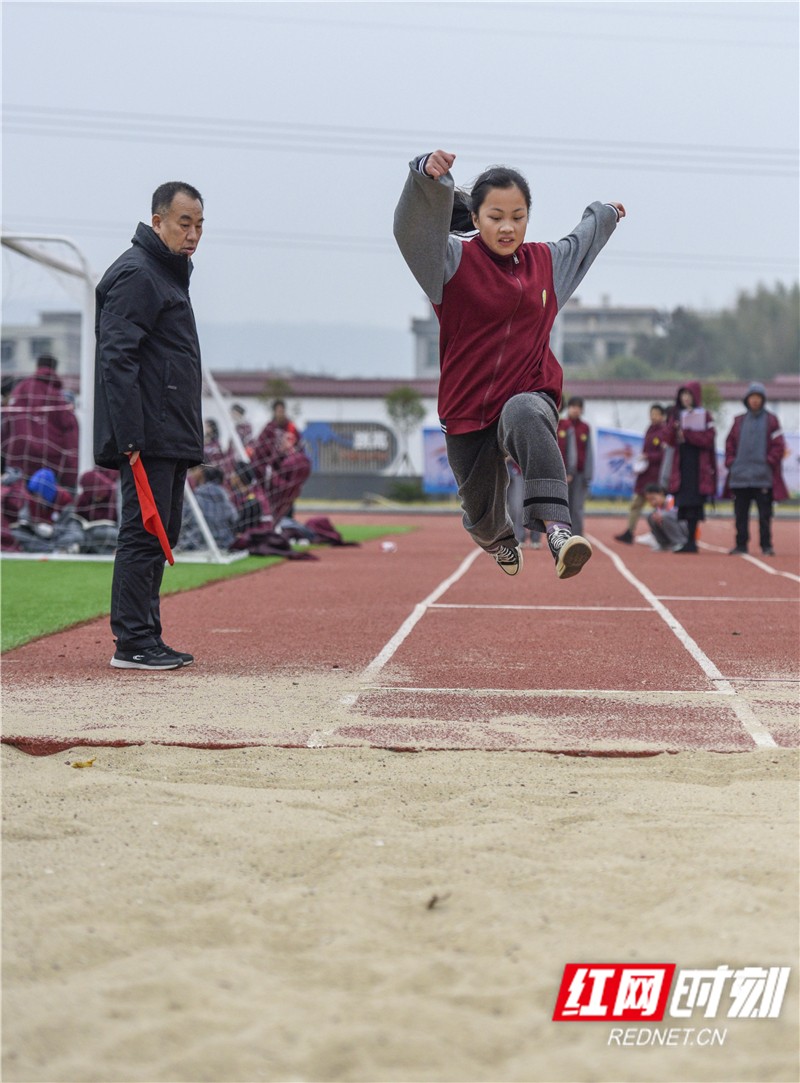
{"points": [[629, 414]]}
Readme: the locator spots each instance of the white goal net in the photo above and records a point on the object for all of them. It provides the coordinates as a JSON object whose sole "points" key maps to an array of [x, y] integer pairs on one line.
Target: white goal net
{"points": [[55, 501]]}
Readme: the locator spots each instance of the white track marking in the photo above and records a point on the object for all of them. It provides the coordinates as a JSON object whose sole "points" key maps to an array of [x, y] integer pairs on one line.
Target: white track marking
{"points": [[752, 560], [760, 736], [553, 693], [556, 608], [714, 598], [380, 659]]}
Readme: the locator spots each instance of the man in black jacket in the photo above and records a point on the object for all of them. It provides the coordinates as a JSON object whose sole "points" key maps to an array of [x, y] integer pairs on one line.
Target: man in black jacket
{"points": [[148, 385]]}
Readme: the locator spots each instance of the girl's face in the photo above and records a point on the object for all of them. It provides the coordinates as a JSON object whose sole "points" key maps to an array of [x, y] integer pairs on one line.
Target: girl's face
{"points": [[687, 400], [502, 220]]}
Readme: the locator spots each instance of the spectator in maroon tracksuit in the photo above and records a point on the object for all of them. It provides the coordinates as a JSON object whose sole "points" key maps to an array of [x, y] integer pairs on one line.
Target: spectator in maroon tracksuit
{"points": [[648, 467], [575, 445], [98, 496], [691, 435], [39, 426], [279, 462]]}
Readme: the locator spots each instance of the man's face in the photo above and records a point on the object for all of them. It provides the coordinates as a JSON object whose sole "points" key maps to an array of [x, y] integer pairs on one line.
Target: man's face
{"points": [[655, 500], [574, 412], [182, 226], [755, 401], [656, 417]]}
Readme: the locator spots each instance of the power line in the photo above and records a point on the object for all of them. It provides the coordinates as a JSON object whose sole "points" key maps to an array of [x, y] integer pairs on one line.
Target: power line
{"points": [[545, 151], [458, 27], [352, 244]]}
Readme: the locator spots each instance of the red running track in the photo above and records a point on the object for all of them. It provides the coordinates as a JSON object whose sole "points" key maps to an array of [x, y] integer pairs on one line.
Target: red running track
{"points": [[432, 646]]}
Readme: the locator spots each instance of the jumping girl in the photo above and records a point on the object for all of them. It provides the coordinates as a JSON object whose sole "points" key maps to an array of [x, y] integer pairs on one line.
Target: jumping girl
{"points": [[500, 387]]}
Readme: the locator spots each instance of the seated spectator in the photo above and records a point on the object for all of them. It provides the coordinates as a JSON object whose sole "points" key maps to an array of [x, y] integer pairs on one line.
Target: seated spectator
{"points": [[98, 496], [280, 463], [31, 505], [250, 509], [218, 511], [39, 426], [670, 532]]}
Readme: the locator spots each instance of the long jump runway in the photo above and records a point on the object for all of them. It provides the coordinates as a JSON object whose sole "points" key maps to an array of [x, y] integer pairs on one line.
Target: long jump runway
{"points": [[430, 646]]}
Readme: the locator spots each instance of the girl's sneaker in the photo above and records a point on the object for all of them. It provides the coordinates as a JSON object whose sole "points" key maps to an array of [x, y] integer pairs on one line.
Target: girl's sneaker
{"points": [[570, 552], [507, 557]]}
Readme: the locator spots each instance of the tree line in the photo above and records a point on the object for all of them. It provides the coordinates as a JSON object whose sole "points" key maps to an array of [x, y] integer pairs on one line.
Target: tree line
{"points": [[758, 337]]}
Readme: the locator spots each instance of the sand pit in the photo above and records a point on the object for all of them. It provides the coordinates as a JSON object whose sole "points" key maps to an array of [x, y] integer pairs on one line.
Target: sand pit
{"points": [[357, 914], [318, 907]]}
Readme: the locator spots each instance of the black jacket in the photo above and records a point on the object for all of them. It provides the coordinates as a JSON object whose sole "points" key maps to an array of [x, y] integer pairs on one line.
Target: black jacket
{"points": [[148, 379]]}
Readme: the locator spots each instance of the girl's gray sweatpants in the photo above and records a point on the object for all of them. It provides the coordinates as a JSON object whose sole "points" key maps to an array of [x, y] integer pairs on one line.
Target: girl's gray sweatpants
{"points": [[525, 430]]}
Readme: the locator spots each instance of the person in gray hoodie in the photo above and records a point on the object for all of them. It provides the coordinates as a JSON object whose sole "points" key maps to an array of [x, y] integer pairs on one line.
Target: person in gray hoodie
{"points": [[754, 451]]}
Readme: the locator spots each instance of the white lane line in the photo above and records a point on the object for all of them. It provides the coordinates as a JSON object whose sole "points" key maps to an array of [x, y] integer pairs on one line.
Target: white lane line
{"points": [[713, 598], [753, 560], [556, 608], [760, 736], [554, 693], [380, 659]]}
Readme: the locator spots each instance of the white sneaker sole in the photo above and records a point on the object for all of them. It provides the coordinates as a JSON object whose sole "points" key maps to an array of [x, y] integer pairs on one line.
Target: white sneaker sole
{"points": [[572, 557], [118, 663]]}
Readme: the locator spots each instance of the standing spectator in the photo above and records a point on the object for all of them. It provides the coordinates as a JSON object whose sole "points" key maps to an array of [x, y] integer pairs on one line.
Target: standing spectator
{"points": [[690, 433], [754, 451], [244, 430], [280, 463], [148, 406], [496, 297], [647, 468], [669, 531], [212, 446], [39, 426], [575, 445]]}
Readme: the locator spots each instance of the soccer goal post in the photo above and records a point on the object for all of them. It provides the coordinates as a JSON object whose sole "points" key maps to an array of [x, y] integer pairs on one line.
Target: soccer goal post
{"points": [[37, 248]]}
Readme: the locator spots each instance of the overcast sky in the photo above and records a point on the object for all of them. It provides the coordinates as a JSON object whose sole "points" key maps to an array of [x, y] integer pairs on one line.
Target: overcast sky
{"points": [[296, 122]]}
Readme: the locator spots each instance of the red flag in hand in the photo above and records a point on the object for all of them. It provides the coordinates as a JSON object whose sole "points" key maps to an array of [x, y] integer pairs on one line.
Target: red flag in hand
{"points": [[150, 517]]}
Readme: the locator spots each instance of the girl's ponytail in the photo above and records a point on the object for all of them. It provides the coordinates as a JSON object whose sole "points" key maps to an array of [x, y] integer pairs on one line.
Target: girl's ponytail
{"points": [[461, 217]]}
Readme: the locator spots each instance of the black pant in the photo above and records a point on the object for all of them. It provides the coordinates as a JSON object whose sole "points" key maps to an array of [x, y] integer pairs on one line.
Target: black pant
{"points": [[139, 563], [742, 499]]}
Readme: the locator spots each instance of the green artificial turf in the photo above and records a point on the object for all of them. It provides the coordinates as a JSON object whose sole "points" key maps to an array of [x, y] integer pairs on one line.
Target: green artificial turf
{"points": [[40, 597]]}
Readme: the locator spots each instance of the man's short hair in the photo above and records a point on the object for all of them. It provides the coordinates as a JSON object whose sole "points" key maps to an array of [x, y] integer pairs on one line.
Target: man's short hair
{"points": [[659, 407], [244, 472], [47, 361], [165, 193], [653, 488], [277, 403], [576, 400]]}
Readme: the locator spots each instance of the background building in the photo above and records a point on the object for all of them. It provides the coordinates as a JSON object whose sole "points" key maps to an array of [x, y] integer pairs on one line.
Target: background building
{"points": [[57, 333], [583, 335]]}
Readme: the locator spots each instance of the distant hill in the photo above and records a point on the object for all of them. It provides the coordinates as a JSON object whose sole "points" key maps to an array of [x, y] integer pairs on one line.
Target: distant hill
{"points": [[322, 349]]}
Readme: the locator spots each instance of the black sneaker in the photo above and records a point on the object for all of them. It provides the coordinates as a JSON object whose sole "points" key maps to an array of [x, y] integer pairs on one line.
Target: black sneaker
{"points": [[626, 537], [146, 658], [570, 552], [507, 557], [186, 659], [737, 551], [768, 552]]}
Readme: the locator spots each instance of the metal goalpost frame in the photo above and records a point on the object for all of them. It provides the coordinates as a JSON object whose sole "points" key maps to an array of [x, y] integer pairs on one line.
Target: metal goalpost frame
{"points": [[23, 245], [20, 243]]}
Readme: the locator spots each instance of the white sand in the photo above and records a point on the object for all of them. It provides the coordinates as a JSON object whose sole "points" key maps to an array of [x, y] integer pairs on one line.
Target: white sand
{"points": [[264, 914]]}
